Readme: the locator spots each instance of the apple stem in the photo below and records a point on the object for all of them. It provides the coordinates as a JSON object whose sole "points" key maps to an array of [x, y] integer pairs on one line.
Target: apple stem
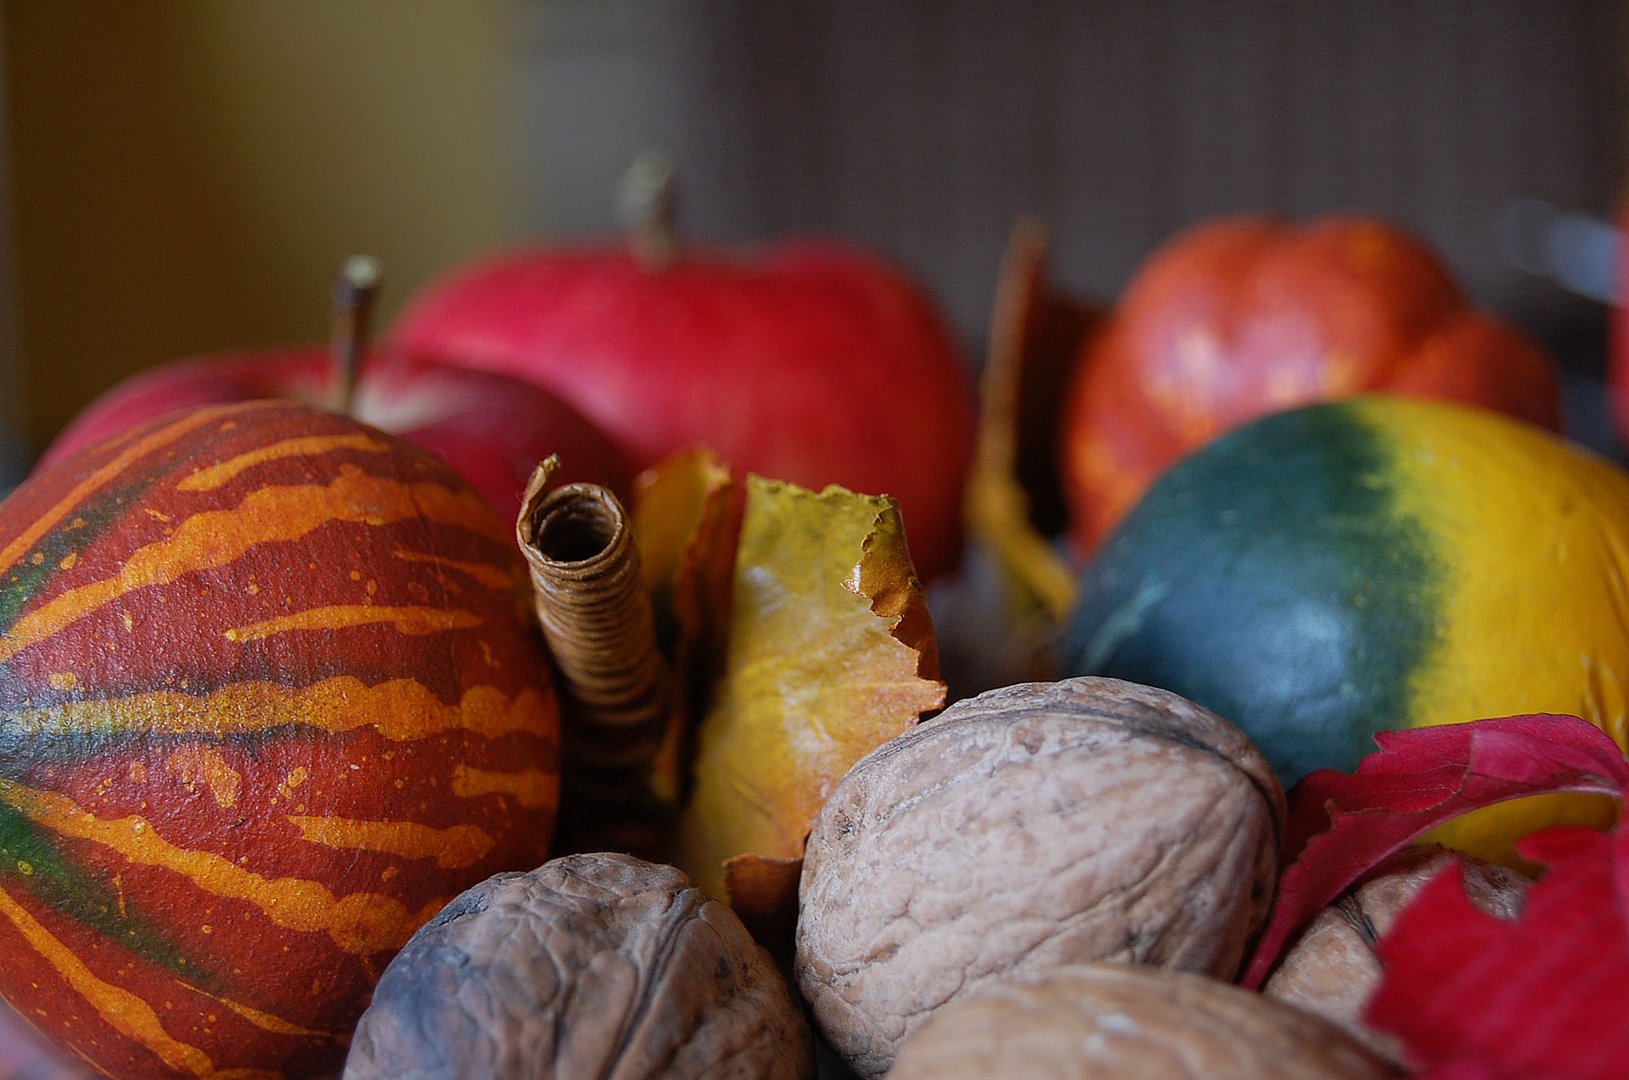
{"points": [[647, 206], [354, 291]]}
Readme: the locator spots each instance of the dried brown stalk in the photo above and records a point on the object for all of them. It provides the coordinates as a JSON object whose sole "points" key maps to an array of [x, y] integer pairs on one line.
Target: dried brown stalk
{"points": [[597, 619]]}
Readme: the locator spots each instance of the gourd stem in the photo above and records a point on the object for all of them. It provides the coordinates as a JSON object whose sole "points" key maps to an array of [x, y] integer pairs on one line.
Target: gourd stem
{"points": [[598, 621], [352, 305], [647, 206]]}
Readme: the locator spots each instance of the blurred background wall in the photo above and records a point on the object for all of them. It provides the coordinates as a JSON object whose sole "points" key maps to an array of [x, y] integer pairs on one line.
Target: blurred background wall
{"points": [[186, 175], [927, 128]]}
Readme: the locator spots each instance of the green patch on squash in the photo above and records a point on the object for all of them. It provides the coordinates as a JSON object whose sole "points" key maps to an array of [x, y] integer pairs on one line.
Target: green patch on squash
{"points": [[1281, 587], [28, 856]]}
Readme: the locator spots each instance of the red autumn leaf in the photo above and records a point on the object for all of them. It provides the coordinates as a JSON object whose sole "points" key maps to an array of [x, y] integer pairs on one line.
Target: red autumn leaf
{"points": [[1342, 826], [1544, 996]]}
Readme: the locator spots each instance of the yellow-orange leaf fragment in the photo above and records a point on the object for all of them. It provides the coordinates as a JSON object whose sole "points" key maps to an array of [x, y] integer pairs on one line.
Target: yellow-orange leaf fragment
{"points": [[685, 519], [830, 654], [684, 523]]}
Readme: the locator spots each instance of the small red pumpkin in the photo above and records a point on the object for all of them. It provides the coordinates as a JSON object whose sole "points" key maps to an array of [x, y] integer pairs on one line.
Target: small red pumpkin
{"points": [[269, 700], [1243, 316]]}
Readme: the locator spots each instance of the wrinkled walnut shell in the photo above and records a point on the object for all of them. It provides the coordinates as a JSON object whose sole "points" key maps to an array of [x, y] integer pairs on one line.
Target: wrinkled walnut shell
{"points": [[1106, 1022], [1332, 970], [591, 965], [1028, 828]]}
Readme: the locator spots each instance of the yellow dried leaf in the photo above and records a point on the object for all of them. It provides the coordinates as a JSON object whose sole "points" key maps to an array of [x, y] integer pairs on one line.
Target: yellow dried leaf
{"points": [[830, 654], [1013, 499]]}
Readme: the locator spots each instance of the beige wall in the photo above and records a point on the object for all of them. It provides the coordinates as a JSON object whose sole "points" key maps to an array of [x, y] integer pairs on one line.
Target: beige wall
{"points": [[188, 174]]}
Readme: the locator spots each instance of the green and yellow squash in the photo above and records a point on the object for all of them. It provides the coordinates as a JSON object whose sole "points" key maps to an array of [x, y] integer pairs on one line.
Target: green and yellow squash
{"points": [[1337, 570]]}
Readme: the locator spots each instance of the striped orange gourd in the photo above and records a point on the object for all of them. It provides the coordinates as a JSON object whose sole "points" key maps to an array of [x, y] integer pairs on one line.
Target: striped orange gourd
{"points": [[268, 698]]}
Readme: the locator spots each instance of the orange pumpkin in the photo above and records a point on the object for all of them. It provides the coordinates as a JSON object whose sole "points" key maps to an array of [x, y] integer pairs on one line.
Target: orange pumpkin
{"points": [[1242, 316], [269, 701]]}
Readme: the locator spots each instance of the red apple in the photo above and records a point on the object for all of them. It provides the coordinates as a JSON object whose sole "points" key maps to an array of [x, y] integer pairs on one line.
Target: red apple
{"points": [[493, 429], [811, 362]]}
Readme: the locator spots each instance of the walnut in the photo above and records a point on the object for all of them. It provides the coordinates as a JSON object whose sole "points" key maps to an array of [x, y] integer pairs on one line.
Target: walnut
{"points": [[1332, 970], [1027, 828], [591, 965], [1093, 1021]]}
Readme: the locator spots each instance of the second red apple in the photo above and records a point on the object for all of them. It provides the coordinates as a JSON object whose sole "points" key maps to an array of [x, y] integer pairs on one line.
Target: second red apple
{"points": [[815, 363]]}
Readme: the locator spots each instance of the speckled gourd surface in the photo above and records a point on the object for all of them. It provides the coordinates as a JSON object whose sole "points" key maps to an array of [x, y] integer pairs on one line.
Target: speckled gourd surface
{"points": [[268, 699]]}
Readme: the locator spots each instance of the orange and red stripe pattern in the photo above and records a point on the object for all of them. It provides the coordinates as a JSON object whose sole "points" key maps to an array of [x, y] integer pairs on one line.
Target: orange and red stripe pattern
{"points": [[270, 699]]}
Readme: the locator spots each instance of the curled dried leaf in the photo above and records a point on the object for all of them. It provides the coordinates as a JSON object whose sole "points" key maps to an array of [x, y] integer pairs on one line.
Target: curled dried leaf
{"points": [[595, 614]]}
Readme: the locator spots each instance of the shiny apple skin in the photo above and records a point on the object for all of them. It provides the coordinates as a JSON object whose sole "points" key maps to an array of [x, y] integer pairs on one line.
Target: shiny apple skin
{"points": [[491, 428], [810, 362]]}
